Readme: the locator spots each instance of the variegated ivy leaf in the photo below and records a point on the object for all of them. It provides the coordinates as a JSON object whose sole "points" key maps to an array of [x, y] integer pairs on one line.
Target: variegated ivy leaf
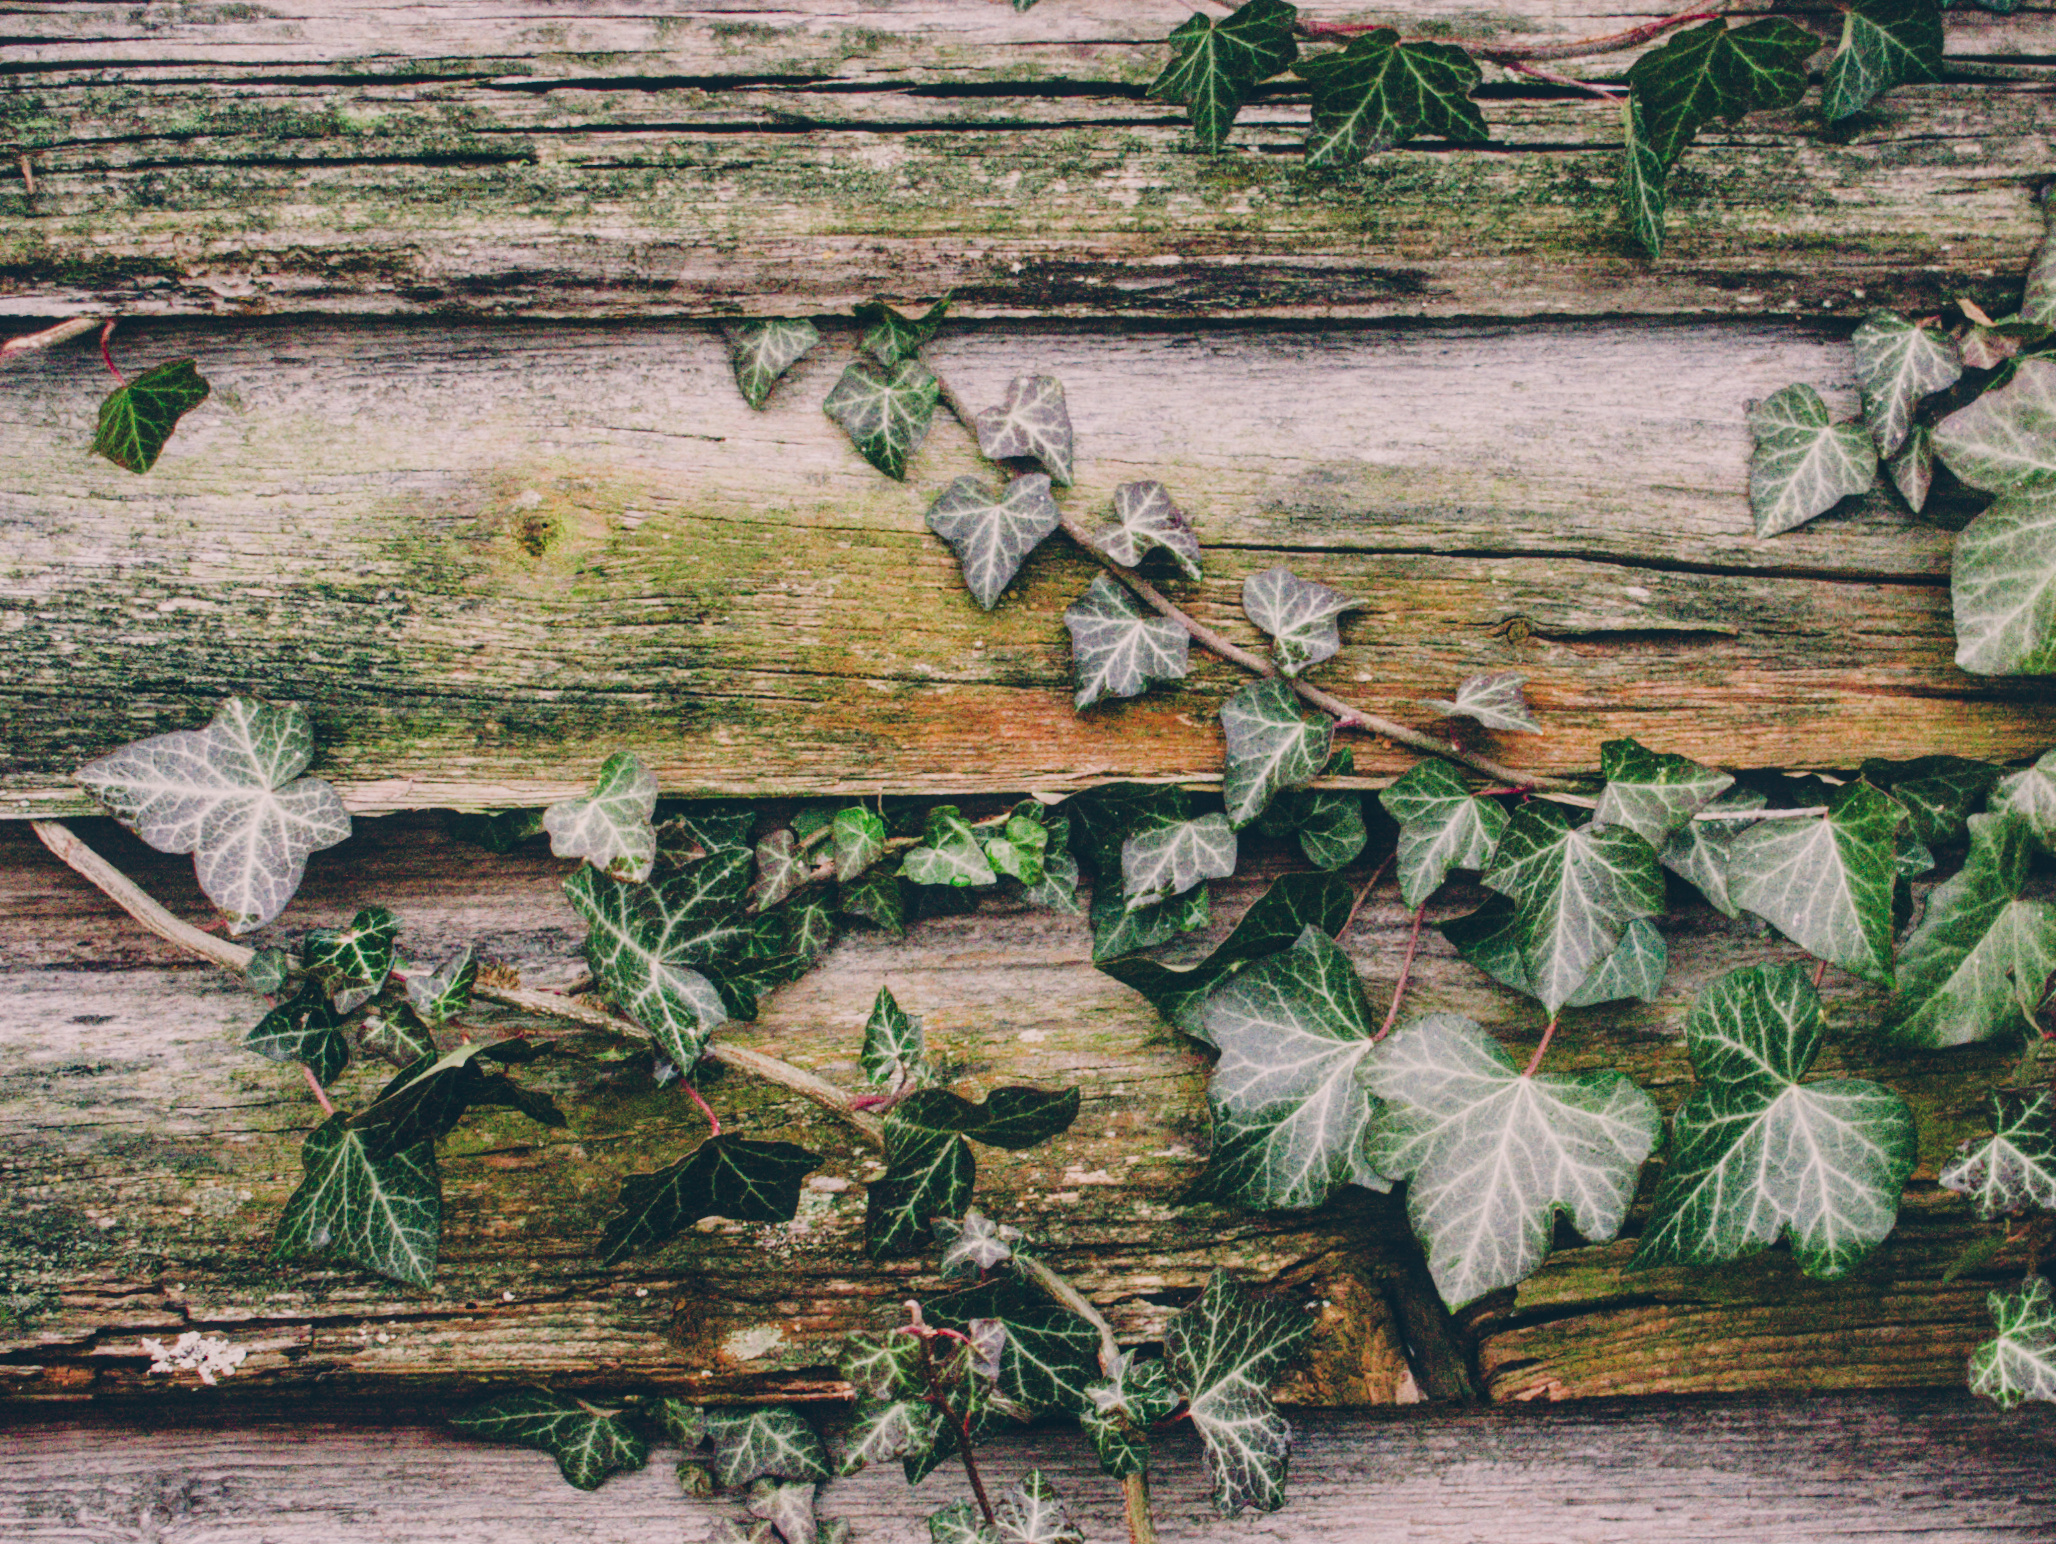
{"points": [[1117, 1422], [2014, 1168], [1050, 1355], [1289, 1113], [1119, 646], [1033, 424], [885, 410], [1715, 71], [2020, 1361], [781, 869], [352, 963], [2005, 442], [1490, 938], [1884, 43], [884, 1429], [1977, 964], [1379, 92], [611, 827], [684, 1423], [1826, 883], [788, 1506], [1653, 793], [895, 1051], [882, 1367], [1224, 1352], [231, 795], [1494, 699], [1639, 186], [890, 337], [1804, 463], [993, 533], [1938, 793], [1216, 64], [1298, 614], [1166, 860], [1898, 363], [1441, 826], [762, 351], [438, 996], [957, 1523], [1271, 746], [1575, 891], [1032, 1513], [987, 1344], [974, 1246], [383, 1211], [1913, 470], [1699, 850], [1017, 850], [949, 853], [588, 1444], [725, 1176], [1755, 1152], [2031, 796], [305, 1030], [137, 417], [1145, 519], [728, 1531], [2002, 585], [859, 838], [1492, 1156], [764, 1442]]}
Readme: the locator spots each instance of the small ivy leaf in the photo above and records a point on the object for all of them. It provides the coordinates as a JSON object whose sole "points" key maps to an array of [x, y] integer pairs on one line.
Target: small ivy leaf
{"points": [[1058, 889], [1224, 1351], [1804, 463], [2005, 441], [1145, 519], [268, 971], [1270, 747], [381, 1211], [876, 897], [1653, 793], [882, 1367], [2014, 1168], [2020, 1361], [895, 1051], [764, 1442], [1885, 43], [1331, 828], [1032, 1513], [788, 1506], [1121, 1411], [1017, 851], [2030, 795], [1826, 884], [2002, 585], [436, 997], [885, 411], [1715, 71], [883, 1430], [1050, 1356], [305, 1030], [949, 853], [781, 869], [588, 1444], [1015, 1118], [1441, 826], [859, 838], [231, 795], [1938, 793], [892, 338], [1168, 860], [1033, 424], [1289, 1113], [1494, 699], [974, 1246], [993, 533], [610, 828], [1379, 92], [1913, 470], [1298, 614], [137, 419], [957, 1523], [684, 1423], [987, 1344], [1755, 1152], [763, 351], [1898, 363], [1119, 647], [813, 929], [351, 964], [1639, 189], [646, 942], [1215, 64], [1490, 938], [927, 1175], [704, 831], [1699, 851], [1493, 1156], [725, 1176], [399, 1039], [697, 1483]]}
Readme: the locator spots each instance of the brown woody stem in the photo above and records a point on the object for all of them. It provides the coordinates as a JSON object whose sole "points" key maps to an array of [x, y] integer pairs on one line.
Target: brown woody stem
{"points": [[28, 342]]}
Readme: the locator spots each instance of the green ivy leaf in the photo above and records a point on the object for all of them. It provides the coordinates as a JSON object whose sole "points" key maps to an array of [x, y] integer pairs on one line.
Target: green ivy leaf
{"points": [[611, 827], [781, 869], [949, 853], [427, 1098], [1913, 470], [927, 1175], [882, 1430], [1639, 189], [1270, 747], [1938, 793], [882, 1367], [1379, 92], [1049, 1357], [1018, 851], [268, 972], [1826, 884], [1653, 793], [1215, 64], [788, 1506], [1804, 463], [704, 831], [1755, 1152], [136, 419], [231, 795], [1441, 827], [1117, 931], [2002, 586], [1885, 43], [859, 837], [1493, 699], [1898, 363], [895, 1051], [725, 1176], [1715, 71], [957, 1523], [1331, 827], [1166, 860], [2005, 441], [1032, 1513], [588, 1444], [1014, 1118], [762, 351], [2031, 796], [2020, 1361], [876, 897], [1699, 851], [1146, 520], [1119, 647], [1121, 1410], [438, 996], [305, 1030], [754, 1442], [1033, 424], [1490, 938], [993, 533], [2013, 1169], [1298, 614], [892, 338], [351, 964], [383, 1211], [885, 410], [1224, 1352]]}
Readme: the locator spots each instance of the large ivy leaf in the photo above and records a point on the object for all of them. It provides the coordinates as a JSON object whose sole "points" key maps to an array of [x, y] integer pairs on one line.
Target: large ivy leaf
{"points": [[137, 418], [949, 853], [1490, 938], [1271, 746], [1492, 1156], [1977, 964], [1298, 614], [725, 1176], [588, 1444], [885, 410], [1379, 92], [1699, 850], [2030, 795], [307, 1030], [993, 533], [2020, 1361], [1215, 64], [1441, 826], [763, 351], [1804, 462], [1167, 860], [895, 1051], [891, 337], [1639, 187], [1715, 71], [753, 1442], [1014, 1118], [1826, 883], [1146, 520], [1653, 793], [2005, 442], [611, 827], [1898, 363], [1119, 647], [1754, 1152], [383, 1211], [2014, 1168], [1575, 891], [2002, 585], [1494, 699], [1938, 793], [1033, 1513], [1050, 1355], [1884, 43], [231, 795], [927, 1175], [1032, 424], [1224, 1351]]}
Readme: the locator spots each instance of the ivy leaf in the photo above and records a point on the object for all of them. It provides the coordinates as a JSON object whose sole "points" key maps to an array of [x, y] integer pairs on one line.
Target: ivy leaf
{"points": [[1298, 614], [383, 1211], [1755, 1152], [1709, 72], [1493, 699], [1032, 1513], [927, 1175], [352, 963], [974, 1246], [781, 869], [1639, 188], [725, 1176], [1938, 793], [885, 410], [1913, 470], [231, 795], [787, 1506], [1224, 1352], [1699, 850], [1826, 884], [2014, 1168], [305, 1030], [1122, 1409], [1379, 92], [1014, 1118], [2020, 1361], [1575, 890], [1018, 851], [2002, 585], [1119, 646], [949, 853], [1653, 793], [588, 1444], [438, 996], [1492, 1155], [1270, 746], [892, 338], [268, 971], [882, 1430], [704, 831], [993, 533], [1884, 43], [763, 351], [755, 1442], [1050, 1355], [2031, 796], [1898, 363], [610, 828], [2005, 442], [1331, 827], [876, 897], [882, 1367], [895, 1051], [1168, 860], [1032, 424], [957, 1523], [1804, 463], [1441, 826], [137, 418], [1490, 938], [427, 1098], [1145, 519], [1117, 931], [859, 838], [1215, 64]]}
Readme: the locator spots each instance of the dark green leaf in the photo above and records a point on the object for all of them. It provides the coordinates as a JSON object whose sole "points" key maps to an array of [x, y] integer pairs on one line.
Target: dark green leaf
{"points": [[382, 1211], [859, 837], [1121, 1411], [764, 1442], [137, 418], [352, 963], [1271, 746], [427, 1098], [588, 1444], [725, 1176], [1826, 883], [1699, 850], [2005, 441], [1379, 92], [684, 1423], [876, 897], [1033, 424], [268, 971], [1494, 699], [1639, 189], [2013, 1169], [1898, 363], [781, 869], [438, 996], [1441, 826], [1653, 793], [762, 351], [895, 1051], [1224, 1352], [1166, 860], [884, 1429], [1117, 931], [1145, 519], [957, 1523], [882, 1367], [1804, 463], [892, 338], [610, 828], [991, 532], [1331, 827], [885, 410], [927, 1175], [1490, 938], [694, 831], [305, 1030], [1938, 793], [1119, 646], [1014, 1118], [1884, 43], [1215, 64], [1716, 71], [1050, 1355], [2002, 585], [2031, 795]]}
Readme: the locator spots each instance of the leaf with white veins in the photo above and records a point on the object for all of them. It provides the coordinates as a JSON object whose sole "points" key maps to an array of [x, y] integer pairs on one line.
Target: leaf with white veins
{"points": [[352, 963], [2002, 586], [610, 828], [1490, 938], [1897, 364], [1119, 647], [1639, 187], [1032, 424], [892, 337], [438, 996], [1299, 615], [1804, 462], [306, 1030], [763, 351], [993, 533], [885, 410], [764, 1441], [2014, 1168], [2031, 795], [859, 838], [1442, 826], [1912, 470], [1032, 1513], [138, 416], [1884, 43], [788, 1506], [1146, 520], [725, 1176], [1215, 64], [1379, 92], [1653, 793], [1826, 883], [2020, 1361], [1271, 746], [1938, 793], [1493, 699], [882, 1430], [1699, 850], [2005, 441], [1715, 71], [1224, 1352], [895, 1051], [588, 1444], [949, 853], [1168, 860], [381, 1212]]}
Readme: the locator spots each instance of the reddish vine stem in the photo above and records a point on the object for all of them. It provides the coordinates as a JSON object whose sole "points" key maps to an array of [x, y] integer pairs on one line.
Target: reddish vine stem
{"points": [[1541, 1050], [706, 1109], [1820, 974], [320, 1094], [1406, 965], [107, 354], [935, 1398]]}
